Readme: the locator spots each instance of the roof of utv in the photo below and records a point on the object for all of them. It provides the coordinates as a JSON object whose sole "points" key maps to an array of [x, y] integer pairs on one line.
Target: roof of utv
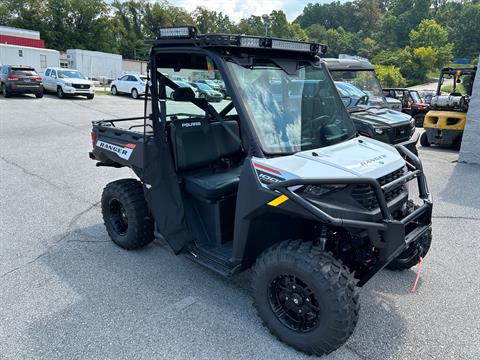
{"points": [[347, 64], [187, 36]]}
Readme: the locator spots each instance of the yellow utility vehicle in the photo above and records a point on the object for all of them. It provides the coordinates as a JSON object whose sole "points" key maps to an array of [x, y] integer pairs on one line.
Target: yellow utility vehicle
{"points": [[445, 122]]}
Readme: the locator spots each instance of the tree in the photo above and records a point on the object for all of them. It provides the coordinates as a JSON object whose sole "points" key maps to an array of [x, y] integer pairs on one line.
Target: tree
{"points": [[368, 48], [390, 76], [429, 34], [211, 21]]}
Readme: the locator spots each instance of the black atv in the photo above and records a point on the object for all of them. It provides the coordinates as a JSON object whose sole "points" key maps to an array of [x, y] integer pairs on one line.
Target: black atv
{"points": [[276, 180]]}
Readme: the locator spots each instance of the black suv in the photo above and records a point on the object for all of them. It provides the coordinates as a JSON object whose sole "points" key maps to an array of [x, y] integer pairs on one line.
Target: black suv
{"points": [[20, 80]]}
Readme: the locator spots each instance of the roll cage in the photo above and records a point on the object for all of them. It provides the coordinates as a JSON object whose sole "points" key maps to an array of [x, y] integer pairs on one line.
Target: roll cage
{"points": [[218, 48]]}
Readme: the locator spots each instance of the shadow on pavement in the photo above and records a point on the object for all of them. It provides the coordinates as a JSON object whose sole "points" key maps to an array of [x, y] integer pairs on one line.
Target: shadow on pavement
{"points": [[135, 304]]}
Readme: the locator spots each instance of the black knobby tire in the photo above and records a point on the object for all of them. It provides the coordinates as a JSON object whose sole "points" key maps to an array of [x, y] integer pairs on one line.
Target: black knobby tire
{"points": [[424, 140], [419, 120], [325, 296], [60, 92], [409, 258], [126, 215]]}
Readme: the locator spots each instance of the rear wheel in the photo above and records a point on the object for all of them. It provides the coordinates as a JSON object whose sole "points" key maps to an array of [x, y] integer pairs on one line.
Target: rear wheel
{"points": [[5, 91], [305, 296], [60, 92], [39, 95], [135, 93], [126, 215], [424, 140]]}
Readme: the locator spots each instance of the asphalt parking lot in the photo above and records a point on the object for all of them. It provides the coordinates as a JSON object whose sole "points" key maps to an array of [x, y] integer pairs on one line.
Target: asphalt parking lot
{"points": [[67, 292]]}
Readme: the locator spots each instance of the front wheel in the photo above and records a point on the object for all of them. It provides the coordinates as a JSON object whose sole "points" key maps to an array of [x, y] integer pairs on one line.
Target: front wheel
{"points": [[424, 140], [135, 93], [126, 215], [305, 296], [90, 97], [114, 90], [60, 92]]}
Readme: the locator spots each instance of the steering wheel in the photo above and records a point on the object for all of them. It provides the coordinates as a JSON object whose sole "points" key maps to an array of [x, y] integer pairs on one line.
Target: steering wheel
{"points": [[345, 99], [363, 100]]}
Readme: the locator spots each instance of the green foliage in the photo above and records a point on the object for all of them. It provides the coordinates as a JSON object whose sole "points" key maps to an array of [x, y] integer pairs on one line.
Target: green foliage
{"points": [[338, 40], [390, 76], [408, 38]]}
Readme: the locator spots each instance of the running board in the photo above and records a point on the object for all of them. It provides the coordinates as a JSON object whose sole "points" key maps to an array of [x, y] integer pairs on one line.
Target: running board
{"points": [[210, 263]]}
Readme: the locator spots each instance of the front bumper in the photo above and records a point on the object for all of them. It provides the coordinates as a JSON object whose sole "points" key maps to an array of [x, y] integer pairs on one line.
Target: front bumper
{"points": [[389, 235], [70, 90]]}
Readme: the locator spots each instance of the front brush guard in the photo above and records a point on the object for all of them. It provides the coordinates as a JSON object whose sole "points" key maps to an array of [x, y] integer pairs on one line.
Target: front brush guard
{"points": [[388, 235]]}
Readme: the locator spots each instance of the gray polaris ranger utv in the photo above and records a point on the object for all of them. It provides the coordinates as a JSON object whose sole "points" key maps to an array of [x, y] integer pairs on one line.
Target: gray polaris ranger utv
{"points": [[275, 179], [362, 95]]}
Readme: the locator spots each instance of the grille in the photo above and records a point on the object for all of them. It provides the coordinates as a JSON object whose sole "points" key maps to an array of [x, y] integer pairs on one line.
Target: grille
{"points": [[365, 195], [401, 132], [81, 86]]}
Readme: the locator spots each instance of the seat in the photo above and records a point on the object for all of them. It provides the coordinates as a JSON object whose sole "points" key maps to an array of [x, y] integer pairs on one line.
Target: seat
{"points": [[212, 186], [198, 146]]}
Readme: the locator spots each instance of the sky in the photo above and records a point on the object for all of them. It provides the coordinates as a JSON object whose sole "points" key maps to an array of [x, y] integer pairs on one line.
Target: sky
{"points": [[238, 9]]}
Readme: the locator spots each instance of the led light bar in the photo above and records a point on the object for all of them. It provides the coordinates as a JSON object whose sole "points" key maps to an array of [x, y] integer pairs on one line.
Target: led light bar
{"points": [[291, 45], [177, 32], [249, 42]]}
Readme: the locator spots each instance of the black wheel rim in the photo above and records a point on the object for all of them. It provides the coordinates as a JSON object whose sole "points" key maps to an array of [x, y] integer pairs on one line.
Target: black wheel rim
{"points": [[294, 303], [118, 217]]}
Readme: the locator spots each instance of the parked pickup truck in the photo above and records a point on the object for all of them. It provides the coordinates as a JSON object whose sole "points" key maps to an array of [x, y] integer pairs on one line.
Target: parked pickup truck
{"points": [[67, 82]]}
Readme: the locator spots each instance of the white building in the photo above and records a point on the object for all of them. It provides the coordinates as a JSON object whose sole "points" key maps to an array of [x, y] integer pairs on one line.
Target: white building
{"points": [[95, 64], [134, 66], [38, 58], [470, 150]]}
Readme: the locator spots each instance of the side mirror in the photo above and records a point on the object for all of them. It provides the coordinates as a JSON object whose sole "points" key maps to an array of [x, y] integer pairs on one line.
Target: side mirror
{"points": [[184, 94]]}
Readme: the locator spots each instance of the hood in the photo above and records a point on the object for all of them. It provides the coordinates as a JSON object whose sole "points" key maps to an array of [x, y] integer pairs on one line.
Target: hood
{"points": [[379, 116], [357, 157], [77, 81]]}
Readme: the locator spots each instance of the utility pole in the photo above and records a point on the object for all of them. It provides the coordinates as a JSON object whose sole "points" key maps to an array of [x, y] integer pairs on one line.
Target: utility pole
{"points": [[266, 21]]}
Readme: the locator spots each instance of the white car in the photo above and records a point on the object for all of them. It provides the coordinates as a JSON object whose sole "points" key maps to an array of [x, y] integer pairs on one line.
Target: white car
{"points": [[132, 84], [67, 82]]}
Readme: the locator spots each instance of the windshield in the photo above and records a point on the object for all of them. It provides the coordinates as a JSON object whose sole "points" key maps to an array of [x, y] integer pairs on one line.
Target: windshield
{"points": [[204, 86], [415, 97], [292, 113], [70, 74], [364, 80]]}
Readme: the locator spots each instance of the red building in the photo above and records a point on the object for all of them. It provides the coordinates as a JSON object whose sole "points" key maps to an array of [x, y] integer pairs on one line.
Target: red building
{"points": [[20, 37]]}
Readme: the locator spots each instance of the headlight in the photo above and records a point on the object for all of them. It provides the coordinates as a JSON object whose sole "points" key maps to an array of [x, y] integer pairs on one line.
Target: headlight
{"points": [[319, 190], [379, 131], [68, 84], [412, 122]]}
